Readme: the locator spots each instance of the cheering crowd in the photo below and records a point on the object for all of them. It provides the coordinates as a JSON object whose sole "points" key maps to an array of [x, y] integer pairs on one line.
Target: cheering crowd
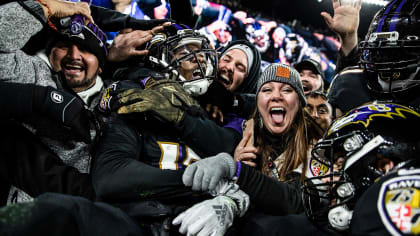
{"points": [[158, 133]]}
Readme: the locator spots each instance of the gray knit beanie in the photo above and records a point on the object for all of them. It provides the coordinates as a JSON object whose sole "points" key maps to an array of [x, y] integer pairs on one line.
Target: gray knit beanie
{"points": [[285, 74]]}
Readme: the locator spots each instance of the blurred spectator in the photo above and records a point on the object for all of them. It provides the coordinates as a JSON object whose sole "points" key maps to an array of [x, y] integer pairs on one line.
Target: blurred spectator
{"points": [[218, 33], [294, 49], [311, 75], [258, 35], [219, 30], [278, 36]]}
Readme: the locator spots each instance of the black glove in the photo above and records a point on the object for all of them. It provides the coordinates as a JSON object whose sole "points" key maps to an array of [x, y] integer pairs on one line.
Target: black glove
{"points": [[63, 107], [20, 101], [108, 101]]}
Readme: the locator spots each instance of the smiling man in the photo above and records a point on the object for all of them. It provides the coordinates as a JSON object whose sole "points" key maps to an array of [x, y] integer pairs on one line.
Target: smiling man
{"points": [[233, 92], [311, 75], [79, 58], [79, 66], [54, 93], [319, 108], [239, 67], [50, 92]]}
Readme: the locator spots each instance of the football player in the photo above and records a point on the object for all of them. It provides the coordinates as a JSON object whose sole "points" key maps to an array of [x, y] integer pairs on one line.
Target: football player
{"points": [[372, 186], [389, 58], [161, 130]]}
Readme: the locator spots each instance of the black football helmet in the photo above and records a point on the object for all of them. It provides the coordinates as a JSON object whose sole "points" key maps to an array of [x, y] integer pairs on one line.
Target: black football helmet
{"points": [[163, 48], [391, 49], [358, 148]]}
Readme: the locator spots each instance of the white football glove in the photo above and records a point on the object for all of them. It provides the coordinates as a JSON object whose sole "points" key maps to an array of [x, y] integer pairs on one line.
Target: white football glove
{"points": [[214, 216]]}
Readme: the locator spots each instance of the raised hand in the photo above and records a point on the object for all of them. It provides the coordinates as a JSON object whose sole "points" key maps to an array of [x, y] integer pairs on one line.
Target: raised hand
{"points": [[344, 23], [129, 43], [245, 152], [59, 9]]}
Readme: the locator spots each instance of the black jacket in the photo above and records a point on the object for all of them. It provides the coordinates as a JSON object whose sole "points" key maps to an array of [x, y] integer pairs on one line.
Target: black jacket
{"points": [[270, 195], [135, 161], [141, 158]]}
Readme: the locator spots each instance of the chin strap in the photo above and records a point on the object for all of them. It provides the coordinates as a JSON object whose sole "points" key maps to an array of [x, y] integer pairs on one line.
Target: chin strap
{"points": [[340, 217], [193, 87], [196, 87]]}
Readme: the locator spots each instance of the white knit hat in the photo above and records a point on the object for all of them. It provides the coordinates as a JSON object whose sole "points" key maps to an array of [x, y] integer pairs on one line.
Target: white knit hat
{"points": [[247, 50]]}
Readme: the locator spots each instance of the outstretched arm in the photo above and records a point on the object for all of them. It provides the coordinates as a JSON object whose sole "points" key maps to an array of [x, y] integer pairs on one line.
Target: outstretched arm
{"points": [[270, 195], [119, 174]]}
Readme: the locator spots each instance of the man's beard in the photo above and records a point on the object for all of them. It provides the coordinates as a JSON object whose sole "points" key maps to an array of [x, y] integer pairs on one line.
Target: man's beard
{"points": [[83, 84]]}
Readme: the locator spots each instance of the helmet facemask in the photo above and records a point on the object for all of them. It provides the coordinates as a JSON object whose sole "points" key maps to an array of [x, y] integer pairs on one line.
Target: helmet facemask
{"points": [[188, 58], [349, 159], [391, 49], [393, 64], [368, 142]]}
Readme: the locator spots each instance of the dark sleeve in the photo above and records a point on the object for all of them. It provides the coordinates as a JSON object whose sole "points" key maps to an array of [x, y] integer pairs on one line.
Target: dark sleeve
{"points": [[16, 100], [349, 90], [246, 105], [269, 195], [117, 173], [206, 137], [182, 12], [35, 9], [111, 20], [346, 61]]}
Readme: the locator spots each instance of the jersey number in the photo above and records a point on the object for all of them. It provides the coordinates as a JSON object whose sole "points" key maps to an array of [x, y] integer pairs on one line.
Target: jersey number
{"points": [[171, 159]]}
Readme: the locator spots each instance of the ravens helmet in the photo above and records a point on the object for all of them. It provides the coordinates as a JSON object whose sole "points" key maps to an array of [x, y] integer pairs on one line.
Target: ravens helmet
{"points": [[359, 147], [391, 49], [185, 55]]}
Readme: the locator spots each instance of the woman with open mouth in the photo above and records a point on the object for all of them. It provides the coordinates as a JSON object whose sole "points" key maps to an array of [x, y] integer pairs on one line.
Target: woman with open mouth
{"points": [[283, 131], [272, 159]]}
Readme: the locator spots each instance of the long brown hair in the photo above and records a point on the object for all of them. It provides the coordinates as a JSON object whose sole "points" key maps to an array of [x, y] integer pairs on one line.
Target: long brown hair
{"points": [[296, 143]]}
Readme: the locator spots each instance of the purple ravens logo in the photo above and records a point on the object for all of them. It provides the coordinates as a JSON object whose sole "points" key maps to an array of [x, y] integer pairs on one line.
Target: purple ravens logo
{"points": [[365, 114]]}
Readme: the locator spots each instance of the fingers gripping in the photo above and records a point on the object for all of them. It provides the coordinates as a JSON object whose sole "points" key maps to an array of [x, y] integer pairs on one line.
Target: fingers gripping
{"points": [[198, 180], [187, 177]]}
